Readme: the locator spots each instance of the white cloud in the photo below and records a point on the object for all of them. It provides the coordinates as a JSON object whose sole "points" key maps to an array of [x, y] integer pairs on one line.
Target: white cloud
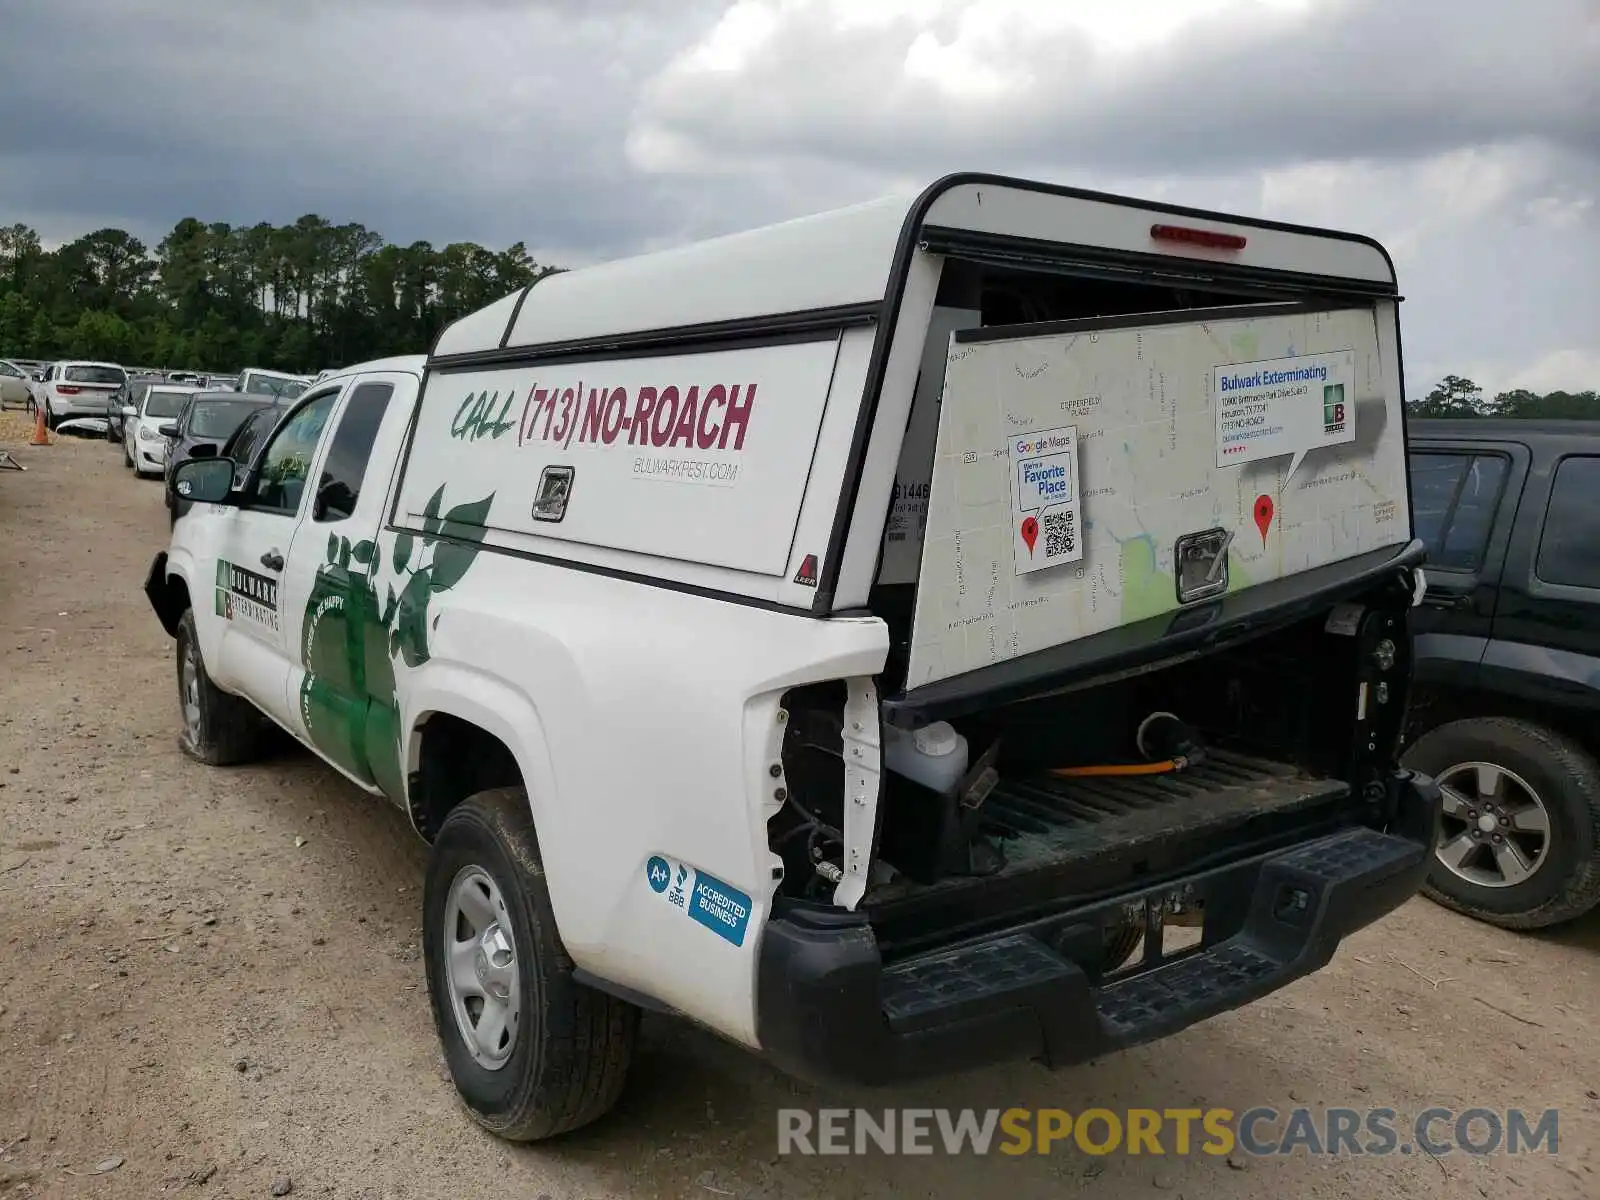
{"points": [[1556, 371], [1138, 85], [1466, 137]]}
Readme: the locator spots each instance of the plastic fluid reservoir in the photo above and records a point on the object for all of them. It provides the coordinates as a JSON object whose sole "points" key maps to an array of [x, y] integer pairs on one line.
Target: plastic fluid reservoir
{"points": [[934, 756]]}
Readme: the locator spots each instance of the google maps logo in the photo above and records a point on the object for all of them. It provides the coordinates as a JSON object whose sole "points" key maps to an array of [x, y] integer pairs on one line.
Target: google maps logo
{"points": [[1052, 442]]}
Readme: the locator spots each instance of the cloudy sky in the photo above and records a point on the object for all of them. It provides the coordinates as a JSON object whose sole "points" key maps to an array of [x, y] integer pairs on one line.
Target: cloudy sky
{"points": [[1465, 134]]}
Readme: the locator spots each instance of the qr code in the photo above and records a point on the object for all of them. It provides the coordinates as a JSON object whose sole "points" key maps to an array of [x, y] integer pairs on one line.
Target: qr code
{"points": [[1060, 532]]}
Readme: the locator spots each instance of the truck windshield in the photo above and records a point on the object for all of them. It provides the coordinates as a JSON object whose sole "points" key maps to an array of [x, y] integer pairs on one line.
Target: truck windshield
{"points": [[217, 419]]}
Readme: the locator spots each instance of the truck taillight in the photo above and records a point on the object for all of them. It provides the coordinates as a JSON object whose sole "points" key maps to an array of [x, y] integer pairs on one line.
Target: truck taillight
{"points": [[1212, 238], [67, 390]]}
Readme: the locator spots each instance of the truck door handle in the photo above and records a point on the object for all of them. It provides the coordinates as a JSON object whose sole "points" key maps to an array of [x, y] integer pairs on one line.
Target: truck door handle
{"points": [[272, 560], [1446, 600]]}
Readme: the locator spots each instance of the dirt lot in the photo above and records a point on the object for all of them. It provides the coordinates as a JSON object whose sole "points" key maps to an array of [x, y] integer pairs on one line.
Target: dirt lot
{"points": [[214, 977]]}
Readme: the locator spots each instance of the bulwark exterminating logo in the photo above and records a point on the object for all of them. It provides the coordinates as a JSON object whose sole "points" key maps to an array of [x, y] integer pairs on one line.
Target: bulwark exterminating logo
{"points": [[1333, 408], [246, 595]]}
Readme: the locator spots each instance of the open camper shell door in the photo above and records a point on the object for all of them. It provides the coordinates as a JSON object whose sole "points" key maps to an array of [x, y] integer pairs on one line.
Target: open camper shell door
{"points": [[1103, 486], [779, 494]]}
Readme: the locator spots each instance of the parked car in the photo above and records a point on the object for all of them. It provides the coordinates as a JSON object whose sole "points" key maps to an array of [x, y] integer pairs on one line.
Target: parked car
{"points": [[207, 421], [131, 396], [15, 389], [79, 389], [144, 448], [1506, 709], [260, 381]]}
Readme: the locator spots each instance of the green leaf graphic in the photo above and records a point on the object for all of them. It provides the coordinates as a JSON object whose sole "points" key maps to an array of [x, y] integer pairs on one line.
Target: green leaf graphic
{"points": [[430, 516], [333, 547], [411, 618], [452, 558], [388, 608], [362, 552], [344, 552], [402, 552], [472, 515], [450, 563]]}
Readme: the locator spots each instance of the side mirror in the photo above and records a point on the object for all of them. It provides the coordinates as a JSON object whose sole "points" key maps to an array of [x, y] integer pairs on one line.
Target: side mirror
{"points": [[169, 430], [204, 480], [129, 411]]}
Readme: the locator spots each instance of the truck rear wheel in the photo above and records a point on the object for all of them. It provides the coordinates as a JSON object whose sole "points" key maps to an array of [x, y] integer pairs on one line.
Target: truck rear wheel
{"points": [[533, 1052], [1519, 837], [218, 729]]}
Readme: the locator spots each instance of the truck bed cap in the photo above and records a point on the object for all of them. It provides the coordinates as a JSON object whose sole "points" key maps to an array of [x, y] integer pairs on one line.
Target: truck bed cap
{"points": [[846, 259]]}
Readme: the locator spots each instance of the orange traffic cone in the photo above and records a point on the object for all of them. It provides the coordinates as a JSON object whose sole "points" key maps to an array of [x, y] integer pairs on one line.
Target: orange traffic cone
{"points": [[41, 433]]}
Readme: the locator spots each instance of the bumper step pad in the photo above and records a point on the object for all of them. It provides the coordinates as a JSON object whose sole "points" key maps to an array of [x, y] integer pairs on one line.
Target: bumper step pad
{"points": [[1301, 904]]}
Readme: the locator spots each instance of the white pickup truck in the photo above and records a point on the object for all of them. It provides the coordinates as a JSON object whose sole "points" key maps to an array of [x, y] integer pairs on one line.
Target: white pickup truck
{"points": [[869, 637]]}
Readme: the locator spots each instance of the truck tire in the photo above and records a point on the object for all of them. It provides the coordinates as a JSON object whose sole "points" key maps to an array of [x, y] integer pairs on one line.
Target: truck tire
{"points": [[533, 1052], [1535, 790], [218, 729]]}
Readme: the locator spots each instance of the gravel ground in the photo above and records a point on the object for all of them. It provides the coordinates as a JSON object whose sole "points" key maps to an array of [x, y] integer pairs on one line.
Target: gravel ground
{"points": [[212, 982]]}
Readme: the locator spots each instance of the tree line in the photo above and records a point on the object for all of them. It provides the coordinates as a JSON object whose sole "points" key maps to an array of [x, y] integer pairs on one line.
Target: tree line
{"points": [[219, 297], [1457, 396], [313, 294]]}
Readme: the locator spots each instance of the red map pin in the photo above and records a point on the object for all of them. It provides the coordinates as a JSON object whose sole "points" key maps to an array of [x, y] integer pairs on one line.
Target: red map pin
{"points": [[1030, 533], [1263, 512]]}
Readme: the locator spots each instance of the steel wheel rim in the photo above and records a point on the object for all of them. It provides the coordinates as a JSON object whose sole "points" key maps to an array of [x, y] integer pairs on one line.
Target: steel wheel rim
{"points": [[1494, 830], [480, 963], [189, 691]]}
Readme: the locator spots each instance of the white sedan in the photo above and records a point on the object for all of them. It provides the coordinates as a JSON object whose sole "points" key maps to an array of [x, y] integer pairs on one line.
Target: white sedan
{"points": [[144, 448]]}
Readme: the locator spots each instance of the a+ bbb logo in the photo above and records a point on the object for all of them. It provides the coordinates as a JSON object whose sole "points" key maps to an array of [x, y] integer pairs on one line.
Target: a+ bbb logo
{"points": [[658, 873]]}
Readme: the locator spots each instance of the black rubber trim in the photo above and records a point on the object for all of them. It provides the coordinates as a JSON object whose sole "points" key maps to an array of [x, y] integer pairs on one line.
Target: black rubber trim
{"points": [[993, 249], [814, 324], [900, 269], [516, 311], [671, 585], [1176, 316], [1200, 628], [391, 522]]}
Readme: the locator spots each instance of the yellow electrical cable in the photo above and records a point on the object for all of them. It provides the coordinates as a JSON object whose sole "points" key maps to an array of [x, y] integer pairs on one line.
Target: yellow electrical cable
{"points": [[1153, 768]]}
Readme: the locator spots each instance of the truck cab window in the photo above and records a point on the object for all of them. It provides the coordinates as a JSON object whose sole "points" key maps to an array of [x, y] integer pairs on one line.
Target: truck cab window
{"points": [[340, 485], [1569, 551], [1454, 497], [286, 464]]}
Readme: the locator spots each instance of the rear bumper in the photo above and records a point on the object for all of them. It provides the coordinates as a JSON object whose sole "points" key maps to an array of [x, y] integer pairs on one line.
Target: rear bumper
{"points": [[67, 407], [830, 1011]]}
